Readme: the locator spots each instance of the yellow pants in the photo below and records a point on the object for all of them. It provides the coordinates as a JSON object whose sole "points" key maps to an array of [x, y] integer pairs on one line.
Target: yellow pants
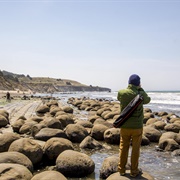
{"points": [[128, 136]]}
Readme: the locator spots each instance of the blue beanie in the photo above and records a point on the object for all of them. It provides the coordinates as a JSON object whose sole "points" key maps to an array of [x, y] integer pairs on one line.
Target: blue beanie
{"points": [[134, 79]]}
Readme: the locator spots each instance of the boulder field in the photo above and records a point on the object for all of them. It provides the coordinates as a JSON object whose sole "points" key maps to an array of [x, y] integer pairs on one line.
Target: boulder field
{"points": [[49, 144]]}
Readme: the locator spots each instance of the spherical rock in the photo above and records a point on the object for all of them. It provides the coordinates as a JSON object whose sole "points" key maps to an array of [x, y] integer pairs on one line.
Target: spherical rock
{"points": [[174, 127], [3, 121], [76, 133], [109, 166], [6, 139], [16, 158], [151, 133], [47, 133], [28, 147], [98, 131], [49, 175], [54, 146], [112, 136], [74, 164], [90, 143], [9, 171]]}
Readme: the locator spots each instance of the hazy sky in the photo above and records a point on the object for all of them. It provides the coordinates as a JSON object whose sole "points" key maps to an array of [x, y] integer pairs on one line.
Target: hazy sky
{"points": [[95, 42]]}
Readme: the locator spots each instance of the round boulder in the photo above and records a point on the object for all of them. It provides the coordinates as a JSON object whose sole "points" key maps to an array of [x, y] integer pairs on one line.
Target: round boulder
{"points": [[109, 166], [16, 158], [47, 133], [28, 147], [3, 121], [14, 171], [151, 133], [6, 139], [74, 164], [54, 146], [117, 176], [67, 109], [90, 143], [76, 133], [174, 127], [42, 109], [112, 136], [49, 175], [98, 131], [168, 144]]}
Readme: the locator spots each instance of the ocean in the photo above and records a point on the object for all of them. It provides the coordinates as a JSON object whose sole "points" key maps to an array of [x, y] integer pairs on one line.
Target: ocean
{"points": [[161, 165], [168, 101]]}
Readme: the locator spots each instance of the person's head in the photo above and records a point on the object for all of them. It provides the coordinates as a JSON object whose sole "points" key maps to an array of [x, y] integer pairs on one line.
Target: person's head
{"points": [[134, 79]]}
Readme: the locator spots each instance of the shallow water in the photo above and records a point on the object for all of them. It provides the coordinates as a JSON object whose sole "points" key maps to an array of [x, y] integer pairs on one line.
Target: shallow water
{"points": [[161, 165]]}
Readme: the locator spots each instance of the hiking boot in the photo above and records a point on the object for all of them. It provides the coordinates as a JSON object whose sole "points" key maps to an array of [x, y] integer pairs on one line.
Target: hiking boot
{"points": [[122, 174], [136, 174]]}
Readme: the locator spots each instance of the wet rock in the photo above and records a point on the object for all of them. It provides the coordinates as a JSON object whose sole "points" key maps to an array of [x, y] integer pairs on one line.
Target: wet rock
{"points": [[47, 133], [51, 122], [112, 136], [172, 120], [54, 110], [152, 121], [65, 119], [174, 127], [159, 125], [176, 152], [74, 164], [28, 147], [151, 133], [36, 128], [76, 133], [42, 109], [27, 126], [145, 141], [67, 109], [163, 113], [6, 139], [147, 116], [17, 125], [3, 121], [4, 113], [171, 135], [52, 102], [101, 110], [16, 158], [98, 131], [147, 110], [117, 176], [90, 143], [54, 146], [49, 175], [103, 122], [93, 118], [109, 166], [84, 123], [10, 171], [168, 144]]}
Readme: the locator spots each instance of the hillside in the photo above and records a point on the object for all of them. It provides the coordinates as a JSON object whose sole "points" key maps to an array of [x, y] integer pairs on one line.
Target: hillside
{"points": [[11, 81]]}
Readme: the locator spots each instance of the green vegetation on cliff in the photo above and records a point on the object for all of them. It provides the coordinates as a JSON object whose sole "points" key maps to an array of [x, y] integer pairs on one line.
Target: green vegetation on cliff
{"points": [[11, 81]]}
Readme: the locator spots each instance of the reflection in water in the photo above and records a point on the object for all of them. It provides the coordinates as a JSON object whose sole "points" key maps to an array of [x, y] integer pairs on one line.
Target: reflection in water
{"points": [[160, 165]]}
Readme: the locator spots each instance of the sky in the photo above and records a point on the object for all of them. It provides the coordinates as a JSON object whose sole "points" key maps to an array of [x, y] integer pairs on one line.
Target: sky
{"points": [[95, 42]]}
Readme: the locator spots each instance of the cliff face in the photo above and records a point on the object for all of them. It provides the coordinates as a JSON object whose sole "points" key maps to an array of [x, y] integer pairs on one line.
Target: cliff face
{"points": [[10, 81]]}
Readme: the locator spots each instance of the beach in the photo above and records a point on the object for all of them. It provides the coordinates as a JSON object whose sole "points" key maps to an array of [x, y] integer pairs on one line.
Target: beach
{"points": [[161, 165]]}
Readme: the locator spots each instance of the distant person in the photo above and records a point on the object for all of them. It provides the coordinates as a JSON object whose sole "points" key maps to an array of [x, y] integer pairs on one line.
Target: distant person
{"points": [[8, 97], [132, 129]]}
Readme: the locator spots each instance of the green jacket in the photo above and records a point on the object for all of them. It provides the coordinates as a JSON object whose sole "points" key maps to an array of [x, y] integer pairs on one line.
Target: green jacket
{"points": [[125, 96]]}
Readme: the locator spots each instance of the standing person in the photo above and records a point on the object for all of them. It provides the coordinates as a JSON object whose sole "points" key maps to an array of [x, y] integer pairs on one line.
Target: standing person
{"points": [[132, 129], [8, 97]]}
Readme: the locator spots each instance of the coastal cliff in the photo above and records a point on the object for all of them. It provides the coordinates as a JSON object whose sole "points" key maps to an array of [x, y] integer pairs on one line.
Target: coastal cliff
{"points": [[11, 81]]}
